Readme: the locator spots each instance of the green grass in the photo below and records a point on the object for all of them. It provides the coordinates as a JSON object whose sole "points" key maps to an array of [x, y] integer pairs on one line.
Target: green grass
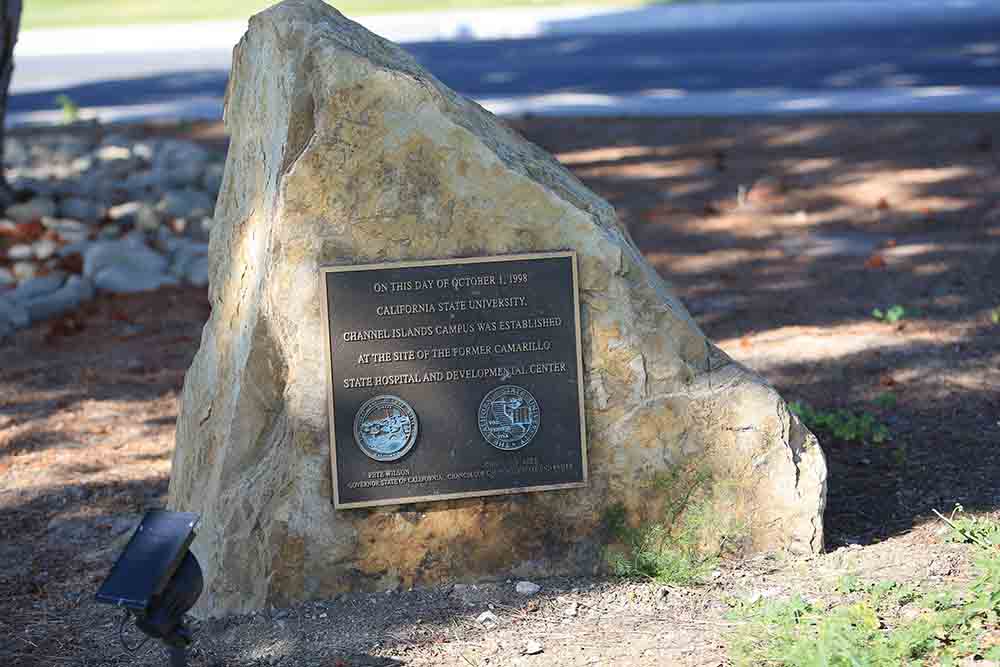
{"points": [[869, 629], [684, 543], [81, 13], [891, 315], [843, 424], [658, 553]]}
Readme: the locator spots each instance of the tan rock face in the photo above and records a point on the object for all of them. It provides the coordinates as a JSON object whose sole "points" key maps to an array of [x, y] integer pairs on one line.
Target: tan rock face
{"points": [[345, 151]]}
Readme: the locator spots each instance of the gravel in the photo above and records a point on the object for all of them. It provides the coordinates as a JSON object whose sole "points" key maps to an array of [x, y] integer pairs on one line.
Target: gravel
{"points": [[186, 204], [68, 231], [45, 248], [24, 270], [82, 209], [36, 287], [138, 210], [20, 251], [32, 210]]}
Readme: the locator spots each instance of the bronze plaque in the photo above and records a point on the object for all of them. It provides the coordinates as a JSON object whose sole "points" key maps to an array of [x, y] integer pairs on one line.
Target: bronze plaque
{"points": [[454, 378]]}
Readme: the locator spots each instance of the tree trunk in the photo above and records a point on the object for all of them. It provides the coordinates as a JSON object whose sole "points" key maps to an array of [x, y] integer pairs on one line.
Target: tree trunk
{"points": [[10, 22]]}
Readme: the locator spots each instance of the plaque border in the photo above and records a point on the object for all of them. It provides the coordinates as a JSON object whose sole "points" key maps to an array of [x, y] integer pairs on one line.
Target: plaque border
{"points": [[324, 269]]}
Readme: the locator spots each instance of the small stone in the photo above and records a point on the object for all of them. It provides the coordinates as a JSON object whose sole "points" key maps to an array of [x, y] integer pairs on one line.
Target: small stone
{"points": [[24, 270], [124, 214], [66, 299], [45, 248], [186, 204], [71, 231], [76, 248], [140, 214], [488, 619], [527, 588], [147, 218], [190, 261], [14, 313], [82, 209], [211, 179], [36, 287], [129, 280], [32, 210], [186, 174], [16, 153], [143, 182], [112, 153], [82, 164], [532, 647], [123, 253], [20, 252], [194, 229], [126, 266], [571, 610], [142, 150], [175, 152]]}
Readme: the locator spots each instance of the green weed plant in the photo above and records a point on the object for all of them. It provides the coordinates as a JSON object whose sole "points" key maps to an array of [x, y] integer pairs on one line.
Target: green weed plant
{"points": [[891, 315], [70, 110], [670, 551], [945, 627], [842, 424]]}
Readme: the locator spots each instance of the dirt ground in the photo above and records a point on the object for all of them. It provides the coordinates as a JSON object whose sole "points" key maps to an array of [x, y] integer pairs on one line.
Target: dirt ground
{"points": [[781, 236]]}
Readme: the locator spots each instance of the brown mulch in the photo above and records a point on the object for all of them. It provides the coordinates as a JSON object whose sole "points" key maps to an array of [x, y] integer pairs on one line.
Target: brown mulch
{"points": [[781, 236]]}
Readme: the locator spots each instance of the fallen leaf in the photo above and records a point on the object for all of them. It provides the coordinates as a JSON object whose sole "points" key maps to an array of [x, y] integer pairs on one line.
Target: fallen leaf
{"points": [[876, 261], [24, 232], [63, 328]]}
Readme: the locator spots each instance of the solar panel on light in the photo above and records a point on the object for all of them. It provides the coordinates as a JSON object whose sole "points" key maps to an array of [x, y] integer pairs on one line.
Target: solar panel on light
{"points": [[149, 560]]}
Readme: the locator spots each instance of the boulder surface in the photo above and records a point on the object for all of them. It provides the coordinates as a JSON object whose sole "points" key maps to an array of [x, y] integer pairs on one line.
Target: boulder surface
{"points": [[345, 151]]}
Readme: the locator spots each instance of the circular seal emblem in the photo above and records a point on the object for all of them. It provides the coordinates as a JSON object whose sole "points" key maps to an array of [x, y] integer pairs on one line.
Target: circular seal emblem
{"points": [[509, 417], [385, 428]]}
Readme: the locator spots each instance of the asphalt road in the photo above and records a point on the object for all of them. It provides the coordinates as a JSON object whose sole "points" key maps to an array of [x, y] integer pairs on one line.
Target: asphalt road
{"points": [[934, 61]]}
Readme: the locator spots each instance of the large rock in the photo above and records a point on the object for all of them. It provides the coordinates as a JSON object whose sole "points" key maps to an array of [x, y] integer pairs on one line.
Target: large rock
{"points": [[345, 151]]}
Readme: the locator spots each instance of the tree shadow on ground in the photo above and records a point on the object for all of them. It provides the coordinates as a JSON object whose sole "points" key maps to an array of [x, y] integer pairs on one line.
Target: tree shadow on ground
{"points": [[769, 231], [718, 58], [783, 236]]}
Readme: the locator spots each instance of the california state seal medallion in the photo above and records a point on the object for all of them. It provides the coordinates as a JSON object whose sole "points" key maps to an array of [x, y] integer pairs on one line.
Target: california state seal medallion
{"points": [[509, 417], [385, 428]]}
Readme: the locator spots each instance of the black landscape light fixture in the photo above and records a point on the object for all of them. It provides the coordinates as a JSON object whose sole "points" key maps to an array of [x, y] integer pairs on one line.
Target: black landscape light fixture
{"points": [[157, 580]]}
